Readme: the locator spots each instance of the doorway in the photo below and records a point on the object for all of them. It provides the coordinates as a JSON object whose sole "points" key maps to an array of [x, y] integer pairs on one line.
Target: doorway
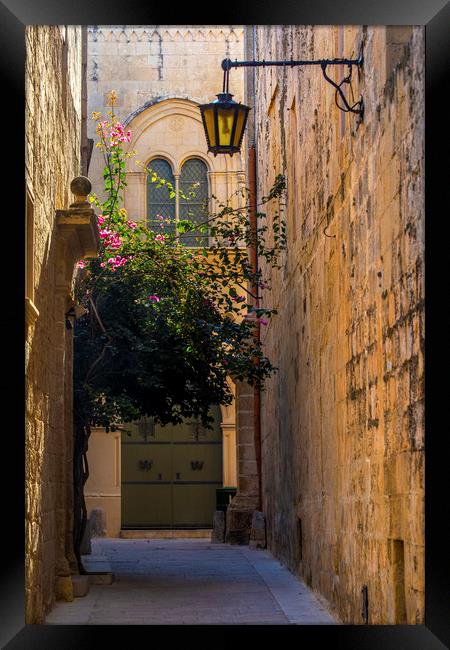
{"points": [[170, 474]]}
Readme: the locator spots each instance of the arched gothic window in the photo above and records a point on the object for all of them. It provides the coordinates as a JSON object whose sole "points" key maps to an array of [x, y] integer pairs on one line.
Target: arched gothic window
{"points": [[193, 178], [159, 203]]}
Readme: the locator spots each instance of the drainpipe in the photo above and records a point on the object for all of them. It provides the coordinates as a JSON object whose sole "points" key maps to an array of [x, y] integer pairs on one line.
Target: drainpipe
{"points": [[255, 291], [251, 97]]}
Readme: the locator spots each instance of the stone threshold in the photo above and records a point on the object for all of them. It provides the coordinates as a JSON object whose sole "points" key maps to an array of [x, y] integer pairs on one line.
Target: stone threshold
{"points": [[98, 569], [166, 534]]}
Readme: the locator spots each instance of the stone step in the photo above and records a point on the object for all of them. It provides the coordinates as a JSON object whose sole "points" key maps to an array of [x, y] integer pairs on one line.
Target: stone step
{"points": [[80, 585], [106, 578], [98, 569], [166, 534]]}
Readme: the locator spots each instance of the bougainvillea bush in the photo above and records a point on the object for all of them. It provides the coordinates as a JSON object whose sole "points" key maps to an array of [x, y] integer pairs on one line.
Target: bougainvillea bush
{"points": [[166, 324]]}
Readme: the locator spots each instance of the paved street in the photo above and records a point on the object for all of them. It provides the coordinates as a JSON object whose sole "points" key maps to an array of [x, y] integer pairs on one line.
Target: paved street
{"points": [[190, 581]]}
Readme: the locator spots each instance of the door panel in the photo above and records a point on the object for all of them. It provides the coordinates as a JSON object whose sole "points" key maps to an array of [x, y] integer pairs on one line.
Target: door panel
{"points": [[143, 503], [142, 463], [194, 505], [139, 432], [165, 433], [170, 474], [194, 462]]}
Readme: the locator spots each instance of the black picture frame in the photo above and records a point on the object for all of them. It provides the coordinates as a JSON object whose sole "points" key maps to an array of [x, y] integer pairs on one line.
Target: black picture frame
{"points": [[435, 16]]}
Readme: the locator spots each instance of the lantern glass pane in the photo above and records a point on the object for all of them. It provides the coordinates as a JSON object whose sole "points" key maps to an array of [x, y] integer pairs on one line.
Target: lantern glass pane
{"points": [[225, 124], [208, 115], [239, 126]]}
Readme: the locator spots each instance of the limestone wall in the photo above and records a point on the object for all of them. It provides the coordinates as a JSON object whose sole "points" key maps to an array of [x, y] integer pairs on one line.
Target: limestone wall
{"points": [[53, 119], [342, 421]]}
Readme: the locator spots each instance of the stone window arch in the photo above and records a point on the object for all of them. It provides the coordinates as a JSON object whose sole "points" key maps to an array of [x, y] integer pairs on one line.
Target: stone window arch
{"points": [[172, 129]]}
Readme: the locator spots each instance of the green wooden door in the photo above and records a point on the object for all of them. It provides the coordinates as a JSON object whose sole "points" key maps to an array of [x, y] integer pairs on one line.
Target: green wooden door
{"points": [[170, 474]]}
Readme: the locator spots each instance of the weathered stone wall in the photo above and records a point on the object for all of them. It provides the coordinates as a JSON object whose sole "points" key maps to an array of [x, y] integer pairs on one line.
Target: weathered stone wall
{"points": [[342, 421], [53, 118]]}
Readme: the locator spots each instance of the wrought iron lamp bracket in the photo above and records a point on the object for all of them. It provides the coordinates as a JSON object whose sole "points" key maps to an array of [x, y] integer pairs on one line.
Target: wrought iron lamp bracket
{"points": [[355, 107]]}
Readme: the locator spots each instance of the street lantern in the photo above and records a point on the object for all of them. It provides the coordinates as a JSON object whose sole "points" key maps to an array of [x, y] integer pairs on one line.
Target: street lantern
{"points": [[224, 122]]}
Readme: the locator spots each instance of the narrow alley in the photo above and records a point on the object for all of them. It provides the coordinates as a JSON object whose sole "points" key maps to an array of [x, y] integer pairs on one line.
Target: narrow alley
{"points": [[189, 581], [225, 325]]}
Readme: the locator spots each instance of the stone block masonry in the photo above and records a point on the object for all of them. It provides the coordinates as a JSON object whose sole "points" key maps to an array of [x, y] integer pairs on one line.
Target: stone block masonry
{"points": [[240, 511], [342, 421], [53, 148]]}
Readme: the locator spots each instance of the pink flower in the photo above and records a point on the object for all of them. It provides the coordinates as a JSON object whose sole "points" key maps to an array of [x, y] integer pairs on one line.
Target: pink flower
{"points": [[160, 238], [117, 261], [103, 126], [131, 224], [101, 219], [82, 264], [154, 298], [118, 134], [263, 321], [110, 239]]}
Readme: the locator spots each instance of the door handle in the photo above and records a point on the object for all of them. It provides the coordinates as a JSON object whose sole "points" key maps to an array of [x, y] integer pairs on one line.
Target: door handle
{"points": [[145, 465]]}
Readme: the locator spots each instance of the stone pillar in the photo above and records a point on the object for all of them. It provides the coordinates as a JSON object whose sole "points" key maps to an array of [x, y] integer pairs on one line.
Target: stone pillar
{"points": [[218, 183], [68, 429], [241, 509], [177, 202], [228, 426], [77, 237], [135, 196], [63, 581]]}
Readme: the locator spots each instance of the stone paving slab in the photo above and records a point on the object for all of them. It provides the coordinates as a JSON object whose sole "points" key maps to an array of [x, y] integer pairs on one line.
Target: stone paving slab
{"points": [[193, 582]]}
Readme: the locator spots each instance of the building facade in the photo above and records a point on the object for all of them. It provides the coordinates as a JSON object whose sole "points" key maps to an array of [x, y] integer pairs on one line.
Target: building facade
{"points": [[342, 421], [56, 237], [160, 75]]}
